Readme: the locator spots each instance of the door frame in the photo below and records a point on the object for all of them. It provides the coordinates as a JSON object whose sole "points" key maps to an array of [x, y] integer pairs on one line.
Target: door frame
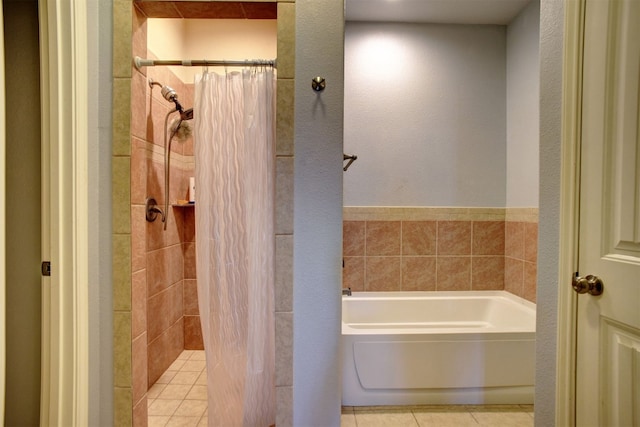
{"points": [[573, 44], [3, 239], [65, 102]]}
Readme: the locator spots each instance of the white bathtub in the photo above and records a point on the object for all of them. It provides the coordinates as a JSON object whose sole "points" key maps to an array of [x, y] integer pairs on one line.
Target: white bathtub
{"points": [[403, 348]]}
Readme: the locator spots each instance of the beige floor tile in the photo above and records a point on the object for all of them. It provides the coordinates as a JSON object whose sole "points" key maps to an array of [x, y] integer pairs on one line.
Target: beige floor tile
{"points": [[202, 378], [197, 392], [385, 419], [155, 390], [185, 378], [191, 408], [197, 355], [177, 391], [167, 376], [204, 421], [177, 365], [348, 420], [503, 419], [157, 421], [445, 419], [185, 355], [193, 365], [183, 421], [163, 407]]}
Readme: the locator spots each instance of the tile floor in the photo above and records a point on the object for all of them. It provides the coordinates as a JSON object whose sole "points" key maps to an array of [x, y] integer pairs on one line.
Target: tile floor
{"points": [[179, 397], [438, 416]]}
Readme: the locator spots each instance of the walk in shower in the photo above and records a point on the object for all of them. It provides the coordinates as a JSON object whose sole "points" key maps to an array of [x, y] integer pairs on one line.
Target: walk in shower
{"points": [[166, 121]]}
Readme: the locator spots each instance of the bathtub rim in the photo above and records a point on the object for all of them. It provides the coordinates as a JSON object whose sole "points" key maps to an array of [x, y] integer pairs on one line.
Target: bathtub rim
{"points": [[528, 306]]}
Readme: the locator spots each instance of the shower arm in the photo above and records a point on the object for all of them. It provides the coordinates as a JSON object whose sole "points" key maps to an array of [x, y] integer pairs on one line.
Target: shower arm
{"points": [[352, 158], [167, 165]]}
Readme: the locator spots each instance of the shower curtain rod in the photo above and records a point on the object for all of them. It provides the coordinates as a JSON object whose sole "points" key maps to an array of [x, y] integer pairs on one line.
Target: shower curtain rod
{"points": [[141, 62]]}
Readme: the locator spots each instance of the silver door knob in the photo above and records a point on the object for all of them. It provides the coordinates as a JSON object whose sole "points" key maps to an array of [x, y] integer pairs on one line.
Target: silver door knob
{"points": [[590, 284]]}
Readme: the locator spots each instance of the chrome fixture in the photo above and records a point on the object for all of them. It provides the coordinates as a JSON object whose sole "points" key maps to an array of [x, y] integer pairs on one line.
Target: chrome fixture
{"points": [[318, 84], [346, 292], [152, 210], [142, 62], [178, 128], [168, 93], [352, 158]]}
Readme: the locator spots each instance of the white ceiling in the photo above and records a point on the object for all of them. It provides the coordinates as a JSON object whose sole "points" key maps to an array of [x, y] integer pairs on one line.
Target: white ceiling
{"points": [[499, 12]]}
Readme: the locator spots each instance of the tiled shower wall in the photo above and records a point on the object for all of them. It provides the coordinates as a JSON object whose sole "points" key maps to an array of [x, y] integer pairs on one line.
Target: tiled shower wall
{"points": [[440, 249], [129, 29], [164, 318]]}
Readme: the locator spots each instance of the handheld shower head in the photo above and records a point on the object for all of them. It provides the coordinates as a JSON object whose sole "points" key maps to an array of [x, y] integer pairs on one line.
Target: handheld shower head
{"points": [[186, 114]]}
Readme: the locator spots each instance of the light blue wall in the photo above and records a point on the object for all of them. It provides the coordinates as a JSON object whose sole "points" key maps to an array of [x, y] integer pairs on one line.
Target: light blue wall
{"points": [[425, 112], [523, 107], [317, 239], [99, 41], [551, 40]]}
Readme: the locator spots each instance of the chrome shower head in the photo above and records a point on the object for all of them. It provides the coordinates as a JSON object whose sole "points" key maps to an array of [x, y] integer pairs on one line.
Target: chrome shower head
{"points": [[186, 114], [169, 94]]}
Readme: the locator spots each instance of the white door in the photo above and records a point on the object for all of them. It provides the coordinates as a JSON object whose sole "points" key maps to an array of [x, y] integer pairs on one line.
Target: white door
{"points": [[608, 333]]}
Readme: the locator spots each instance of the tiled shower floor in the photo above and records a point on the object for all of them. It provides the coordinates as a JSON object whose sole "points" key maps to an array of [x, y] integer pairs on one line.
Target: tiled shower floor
{"points": [[179, 397]]}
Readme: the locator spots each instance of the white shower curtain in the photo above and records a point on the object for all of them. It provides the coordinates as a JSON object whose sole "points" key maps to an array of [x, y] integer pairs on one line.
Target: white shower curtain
{"points": [[234, 154]]}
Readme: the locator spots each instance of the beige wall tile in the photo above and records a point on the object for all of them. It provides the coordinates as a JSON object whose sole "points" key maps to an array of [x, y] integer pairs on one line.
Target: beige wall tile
{"points": [[454, 273], [284, 273], [191, 297], [164, 350], [284, 405], [419, 273], [121, 111], [383, 238], [164, 268], [140, 414], [284, 349], [353, 238], [285, 117], [193, 333], [121, 195], [454, 238], [286, 40], [487, 273], [419, 237], [122, 272], [139, 105], [122, 406], [138, 171], [488, 238], [531, 241], [189, 253], [382, 273], [513, 275], [139, 367], [122, 348], [138, 238], [139, 303], [122, 27], [284, 195], [514, 240], [163, 310], [530, 281], [353, 273]]}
